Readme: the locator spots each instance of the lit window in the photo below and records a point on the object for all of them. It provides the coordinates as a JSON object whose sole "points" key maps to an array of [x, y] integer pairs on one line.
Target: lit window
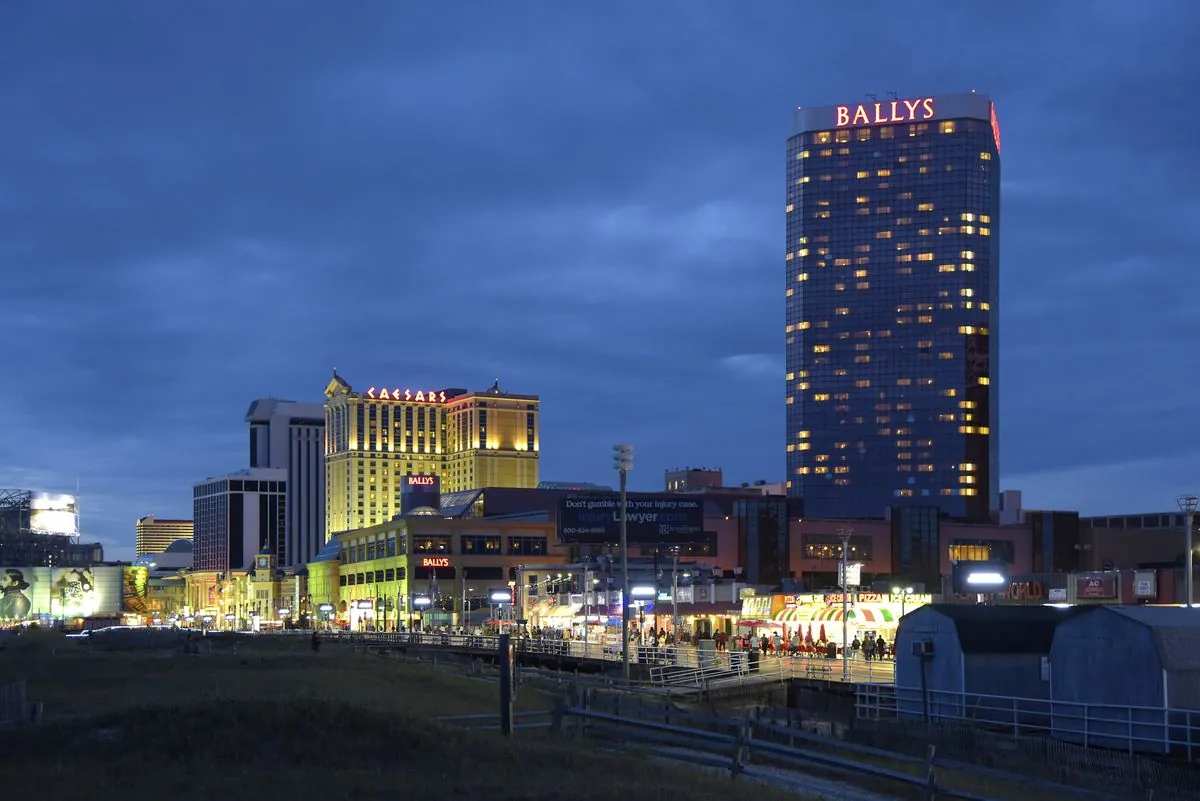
{"points": [[803, 385], [863, 174], [903, 382], [803, 446], [803, 434], [861, 199], [985, 156], [945, 355], [968, 254], [947, 127], [925, 318], [790, 208], [985, 218], [803, 154], [983, 304], [802, 277], [967, 267], [803, 325], [862, 285], [985, 231], [967, 292], [860, 273], [924, 207], [966, 229], [883, 173], [863, 383], [967, 467], [945, 268], [820, 349], [967, 216], [821, 396], [966, 329], [841, 311], [925, 257]]}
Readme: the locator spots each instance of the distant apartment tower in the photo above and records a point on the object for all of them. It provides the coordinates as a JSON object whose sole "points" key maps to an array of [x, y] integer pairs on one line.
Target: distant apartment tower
{"points": [[892, 307], [377, 437], [154, 535], [290, 436], [691, 479], [236, 516]]}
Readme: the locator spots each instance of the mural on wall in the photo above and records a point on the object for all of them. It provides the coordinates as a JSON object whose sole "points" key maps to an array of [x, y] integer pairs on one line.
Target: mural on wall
{"points": [[73, 593], [15, 589], [31, 593], [134, 588]]}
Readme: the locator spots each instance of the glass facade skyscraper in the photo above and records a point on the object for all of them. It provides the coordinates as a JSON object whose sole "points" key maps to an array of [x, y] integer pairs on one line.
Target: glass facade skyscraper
{"points": [[893, 216]]}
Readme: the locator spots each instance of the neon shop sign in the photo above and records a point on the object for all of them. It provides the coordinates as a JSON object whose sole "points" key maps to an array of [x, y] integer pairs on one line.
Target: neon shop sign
{"points": [[915, 110], [420, 396]]}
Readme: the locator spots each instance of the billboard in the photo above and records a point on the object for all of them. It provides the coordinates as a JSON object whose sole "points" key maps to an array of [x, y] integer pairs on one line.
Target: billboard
{"points": [[31, 593], [650, 519], [420, 492], [54, 514]]}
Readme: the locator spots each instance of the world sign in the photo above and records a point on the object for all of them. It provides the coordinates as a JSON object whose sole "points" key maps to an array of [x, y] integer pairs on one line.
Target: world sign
{"points": [[915, 110]]}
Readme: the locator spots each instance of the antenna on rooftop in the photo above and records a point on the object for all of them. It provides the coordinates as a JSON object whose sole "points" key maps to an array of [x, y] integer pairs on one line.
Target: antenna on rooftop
{"points": [[872, 96]]}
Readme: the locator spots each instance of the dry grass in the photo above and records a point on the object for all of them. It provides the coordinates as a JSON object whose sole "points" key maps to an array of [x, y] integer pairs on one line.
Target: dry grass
{"points": [[275, 720]]}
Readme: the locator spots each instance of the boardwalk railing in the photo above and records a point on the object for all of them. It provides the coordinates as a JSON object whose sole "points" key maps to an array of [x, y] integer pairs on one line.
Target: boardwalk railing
{"points": [[676, 665], [1133, 729]]}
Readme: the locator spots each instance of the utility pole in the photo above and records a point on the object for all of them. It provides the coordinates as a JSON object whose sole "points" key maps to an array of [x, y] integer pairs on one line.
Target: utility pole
{"points": [[845, 533], [623, 463]]}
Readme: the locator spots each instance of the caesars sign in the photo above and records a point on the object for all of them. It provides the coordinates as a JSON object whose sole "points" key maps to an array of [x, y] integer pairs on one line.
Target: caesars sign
{"points": [[650, 519], [916, 110], [417, 396]]}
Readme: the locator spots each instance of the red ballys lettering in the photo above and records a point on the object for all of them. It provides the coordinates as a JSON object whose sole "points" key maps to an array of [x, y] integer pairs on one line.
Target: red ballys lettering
{"points": [[914, 110], [435, 561]]}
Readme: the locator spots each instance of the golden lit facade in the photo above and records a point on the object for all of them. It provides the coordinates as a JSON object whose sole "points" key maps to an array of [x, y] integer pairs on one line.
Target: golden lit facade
{"points": [[153, 535], [377, 437], [892, 318], [455, 563]]}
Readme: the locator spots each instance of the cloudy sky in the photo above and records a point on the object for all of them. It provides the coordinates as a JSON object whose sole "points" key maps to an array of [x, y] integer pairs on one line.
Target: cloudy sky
{"points": [[205, 203]]}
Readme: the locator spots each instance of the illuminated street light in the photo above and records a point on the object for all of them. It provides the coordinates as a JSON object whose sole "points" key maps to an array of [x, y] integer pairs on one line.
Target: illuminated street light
{"points": [[623, 463], [1187, 504]]}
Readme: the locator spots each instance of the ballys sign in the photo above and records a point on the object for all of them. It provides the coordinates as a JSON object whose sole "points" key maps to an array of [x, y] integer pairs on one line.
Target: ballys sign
{"points": [[420, 396], [916, 110]]}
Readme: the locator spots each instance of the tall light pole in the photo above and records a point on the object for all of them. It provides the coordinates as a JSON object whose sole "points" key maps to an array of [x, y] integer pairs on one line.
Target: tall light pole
{"points": [[623, 463], [1187, 504], [675, 596], [844, 534]]}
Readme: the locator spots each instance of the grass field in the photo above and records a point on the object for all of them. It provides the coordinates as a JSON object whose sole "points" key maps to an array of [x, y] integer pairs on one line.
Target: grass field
{"points": [[275, 720]]}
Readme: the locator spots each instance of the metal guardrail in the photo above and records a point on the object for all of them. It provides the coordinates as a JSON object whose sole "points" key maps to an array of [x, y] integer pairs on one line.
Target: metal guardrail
{"points": [[1132, 729], [732, 744], [670, 666]]}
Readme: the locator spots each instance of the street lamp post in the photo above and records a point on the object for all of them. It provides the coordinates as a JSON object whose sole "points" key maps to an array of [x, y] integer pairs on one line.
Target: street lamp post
{"points": [[623, 463], [1188, 503], [903, 592], [675, 596], [844, 534]]}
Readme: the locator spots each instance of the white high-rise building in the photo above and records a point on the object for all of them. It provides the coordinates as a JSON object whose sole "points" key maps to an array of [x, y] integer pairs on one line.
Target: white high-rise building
{"points": [[290, 436]]}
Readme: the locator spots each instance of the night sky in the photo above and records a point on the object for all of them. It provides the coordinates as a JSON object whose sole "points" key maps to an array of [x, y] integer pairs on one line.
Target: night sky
{"points": [[201, 204]]}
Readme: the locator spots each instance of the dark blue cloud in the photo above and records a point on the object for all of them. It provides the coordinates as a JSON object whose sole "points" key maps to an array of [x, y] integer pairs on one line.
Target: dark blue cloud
{"points": [[204, 205]]}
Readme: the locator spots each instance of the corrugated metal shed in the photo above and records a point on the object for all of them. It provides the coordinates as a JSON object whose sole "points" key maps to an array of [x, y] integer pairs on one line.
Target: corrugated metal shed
{"points": [[1005, 629], [1175, 630]]}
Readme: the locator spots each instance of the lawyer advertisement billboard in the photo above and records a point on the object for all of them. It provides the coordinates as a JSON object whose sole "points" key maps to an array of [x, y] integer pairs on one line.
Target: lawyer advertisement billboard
{"points": [[650, 519]]}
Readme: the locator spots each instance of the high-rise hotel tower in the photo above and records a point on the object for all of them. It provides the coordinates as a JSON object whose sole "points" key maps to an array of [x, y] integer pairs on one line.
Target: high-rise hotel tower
{"points": [[376, 438], [893, 217]]}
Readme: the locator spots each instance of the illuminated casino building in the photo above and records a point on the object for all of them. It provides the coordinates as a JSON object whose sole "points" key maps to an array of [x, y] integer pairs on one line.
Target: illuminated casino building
{"points": [[892, 316], [154, 535], [378, 437]]}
